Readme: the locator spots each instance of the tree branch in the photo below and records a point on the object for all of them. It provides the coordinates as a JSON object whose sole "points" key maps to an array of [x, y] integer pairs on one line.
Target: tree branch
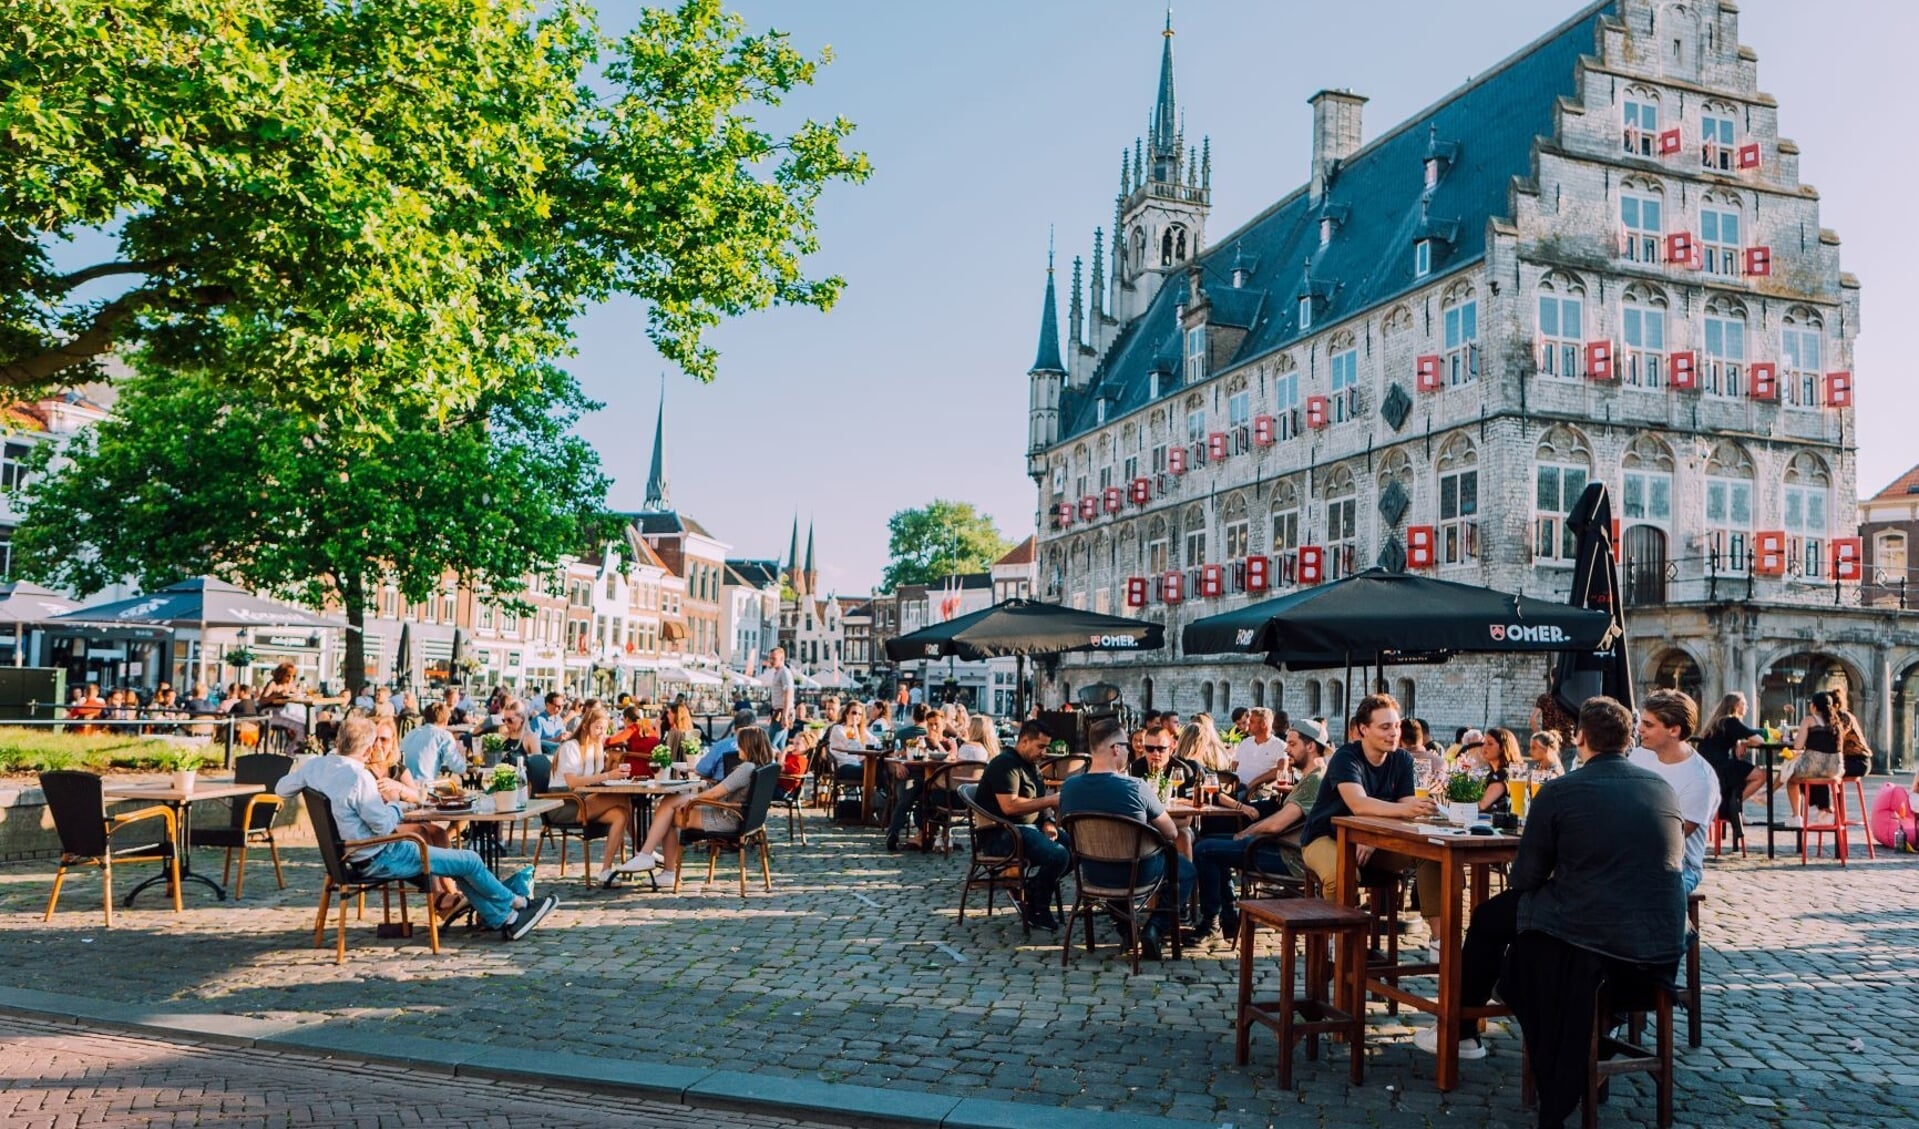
{"points": [[89, 343], [85, 275]]}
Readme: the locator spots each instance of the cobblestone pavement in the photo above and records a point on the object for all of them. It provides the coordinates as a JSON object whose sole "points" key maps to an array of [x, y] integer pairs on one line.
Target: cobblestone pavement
{"points": [[855, 969], [55, 1076]]}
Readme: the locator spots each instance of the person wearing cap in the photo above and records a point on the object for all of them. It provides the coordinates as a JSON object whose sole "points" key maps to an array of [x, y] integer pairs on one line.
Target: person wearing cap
{"points": [[1216, 857]]}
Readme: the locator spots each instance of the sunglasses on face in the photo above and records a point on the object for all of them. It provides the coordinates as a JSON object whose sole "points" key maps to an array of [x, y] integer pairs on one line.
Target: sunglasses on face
{"points": [[1155, 748]]}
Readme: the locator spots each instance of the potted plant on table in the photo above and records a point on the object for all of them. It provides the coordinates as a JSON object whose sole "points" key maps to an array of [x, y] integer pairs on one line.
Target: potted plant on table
{"points": [[1463, 793], [503, 787], [185, 767]]}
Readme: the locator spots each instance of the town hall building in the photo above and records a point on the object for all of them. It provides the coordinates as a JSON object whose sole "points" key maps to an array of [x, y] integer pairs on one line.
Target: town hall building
{"points": [[1594, 261]]}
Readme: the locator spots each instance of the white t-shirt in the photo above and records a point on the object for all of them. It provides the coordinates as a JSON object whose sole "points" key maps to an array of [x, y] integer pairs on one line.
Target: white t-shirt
{"points": [[569, 761], [1253, 759], [840, 740], [971, 752], [1697, 786]]}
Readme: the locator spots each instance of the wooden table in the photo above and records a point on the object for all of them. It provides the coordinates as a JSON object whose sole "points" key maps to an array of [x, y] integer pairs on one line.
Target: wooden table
{"points": [[484, 836], [182, 803], [918, 767], [634, 791], [869, 779], [1456, 853]]}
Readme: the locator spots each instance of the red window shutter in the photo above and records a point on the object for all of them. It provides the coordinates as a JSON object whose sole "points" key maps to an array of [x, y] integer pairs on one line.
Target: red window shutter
{"points": [[1759, 260], [1088, 507], [1216, 445], [1063, 515], [1212, 581], [1679, 248], [1426, 373], [1263, 431], [1599, 364], [1312, 564], [1684, 368], [1172, 587], [1749, 156], [1669, 143], [1846, 558], [1839, 390], [1618, 546], [1258, 574], [1135, 591], [1769, 553], [1115, 501], [1317, 412], [1420, 540], [1765, 380], [1176, 460], [1142, 491]]}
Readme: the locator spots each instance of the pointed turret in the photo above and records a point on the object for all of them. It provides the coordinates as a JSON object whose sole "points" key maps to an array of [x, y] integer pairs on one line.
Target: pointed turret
{"points": [[1166, 130], [1047, 360], [793, 554], [812, 575], [657, 498]]}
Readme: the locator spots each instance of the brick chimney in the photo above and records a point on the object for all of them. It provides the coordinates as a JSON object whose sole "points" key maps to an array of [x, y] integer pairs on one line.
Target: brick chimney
{"points": [[1336, 116]]}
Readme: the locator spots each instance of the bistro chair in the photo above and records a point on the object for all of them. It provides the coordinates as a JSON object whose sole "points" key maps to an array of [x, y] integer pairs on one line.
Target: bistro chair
{"points": [[1116, 842], [1055, 770], [751, 832], [565, 822], [345, 878], [77, 802], [941, 803], [793, 802], [998, 861], [252, 820]]}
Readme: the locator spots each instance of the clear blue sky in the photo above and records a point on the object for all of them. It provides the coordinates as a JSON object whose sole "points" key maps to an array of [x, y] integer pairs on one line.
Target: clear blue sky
{"points": [[987, 121]]}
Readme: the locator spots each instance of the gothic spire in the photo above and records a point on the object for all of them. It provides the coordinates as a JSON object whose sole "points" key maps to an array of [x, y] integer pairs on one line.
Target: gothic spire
{"points": [[812, 577], [657, 500], [793, 554], [1077, 315], [1047, 359], [1165, 137], [1099, 266]]}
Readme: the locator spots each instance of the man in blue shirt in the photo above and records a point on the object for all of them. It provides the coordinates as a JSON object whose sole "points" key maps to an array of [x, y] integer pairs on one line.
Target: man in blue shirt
{"points": [[365, 807], [431, 750], [1105, 789], [710, 765], [549, 727]]}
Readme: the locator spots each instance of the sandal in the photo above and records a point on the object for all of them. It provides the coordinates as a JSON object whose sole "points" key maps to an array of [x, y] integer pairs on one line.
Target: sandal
{"points": [[452, 909]]}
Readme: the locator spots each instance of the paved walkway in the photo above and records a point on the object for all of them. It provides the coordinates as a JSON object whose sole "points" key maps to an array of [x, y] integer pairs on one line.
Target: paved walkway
{"points": [[855, 970], [53, 1076]]}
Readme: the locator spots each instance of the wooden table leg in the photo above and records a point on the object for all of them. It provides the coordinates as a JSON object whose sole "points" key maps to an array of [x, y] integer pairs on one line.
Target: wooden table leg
{"points": [[1451, 879], [1347, 878], [1242, 1037], [869, 783]]}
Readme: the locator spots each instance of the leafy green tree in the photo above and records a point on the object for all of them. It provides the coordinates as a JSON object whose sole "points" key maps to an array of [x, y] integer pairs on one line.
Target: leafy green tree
{"points": [[932, 542], [391, 200], [184, 479]]}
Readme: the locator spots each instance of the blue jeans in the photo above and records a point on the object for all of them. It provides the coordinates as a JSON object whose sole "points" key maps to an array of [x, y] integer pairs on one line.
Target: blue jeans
{"points": [[1216, 858], [1046, 861], [492, 899], [1149, 869]]}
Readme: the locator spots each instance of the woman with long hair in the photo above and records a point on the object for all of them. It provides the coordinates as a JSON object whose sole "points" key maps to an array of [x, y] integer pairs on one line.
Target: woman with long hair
{"points": [[717, 810], [1200, 747], [1722, 739], [1817, 747], [1499, 752], [982, 741], [580, 762]]}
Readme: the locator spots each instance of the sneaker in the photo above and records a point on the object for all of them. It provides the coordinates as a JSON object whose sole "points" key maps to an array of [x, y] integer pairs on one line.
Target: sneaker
{"points": [[522, 923], [1793, 823], [663, 878], [645, 860], [1427, 1039]]}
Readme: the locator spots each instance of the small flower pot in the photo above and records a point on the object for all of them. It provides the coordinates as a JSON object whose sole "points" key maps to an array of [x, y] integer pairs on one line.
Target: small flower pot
{"points": [[1465, 814], [507, 801], [183, 780]]}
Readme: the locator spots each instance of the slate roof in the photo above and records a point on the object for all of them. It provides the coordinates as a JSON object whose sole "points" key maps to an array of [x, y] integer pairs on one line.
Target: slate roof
{"points": [[1491, 123], [754, 574]]}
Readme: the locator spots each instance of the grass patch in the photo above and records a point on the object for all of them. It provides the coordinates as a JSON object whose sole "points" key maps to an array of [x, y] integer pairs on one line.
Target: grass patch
{"points": [[30, 750]]}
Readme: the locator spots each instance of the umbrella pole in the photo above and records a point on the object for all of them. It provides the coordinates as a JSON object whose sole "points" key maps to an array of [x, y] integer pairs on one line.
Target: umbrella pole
{"points": [[1019, 689], [1346, 709]]}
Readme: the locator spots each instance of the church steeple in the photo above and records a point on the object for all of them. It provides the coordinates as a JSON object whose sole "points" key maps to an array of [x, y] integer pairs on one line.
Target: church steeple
{"points": [[1164, 139], [793, 554], [1160, 221], [812, 575], [1047, 359], [657, 500]]}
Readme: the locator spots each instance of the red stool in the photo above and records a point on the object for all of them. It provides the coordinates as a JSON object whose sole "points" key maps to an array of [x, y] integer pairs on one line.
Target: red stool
{"points": [[1864, 812], [1834, 826], [1737, 825]]}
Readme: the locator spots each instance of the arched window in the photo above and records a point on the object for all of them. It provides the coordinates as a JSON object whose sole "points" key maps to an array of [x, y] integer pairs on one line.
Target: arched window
{"points": [[1195, 529], [1802, 355], [1344, 364], [1276, 697], [1562, 325], [1342, 524], [1728, 538], [1639, 118], [1138, 258], [1808, 494], [1172, 246], [1725, 347], [1562, 465], [1642, 319], [1158, 542], [1235, 528], [1721, 230], [1259, 693], [1206, 696], [1458, 469], [1646, 492], [1398, 320], [1285, 523], [1718, 136], [1461, 306], [1642, 204]]}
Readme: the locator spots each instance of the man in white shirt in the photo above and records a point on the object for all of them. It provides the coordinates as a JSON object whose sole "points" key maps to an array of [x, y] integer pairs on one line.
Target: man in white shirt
{"points": [[365, 807], [778, 681], [1666, 719], [1260, 755]]}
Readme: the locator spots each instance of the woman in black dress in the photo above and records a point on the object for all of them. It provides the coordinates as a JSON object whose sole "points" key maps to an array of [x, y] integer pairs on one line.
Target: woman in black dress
{"points": [[1721, 741]]}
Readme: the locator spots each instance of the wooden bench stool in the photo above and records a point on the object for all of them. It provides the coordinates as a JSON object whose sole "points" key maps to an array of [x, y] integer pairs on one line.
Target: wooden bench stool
{"points": [[1314, 921], [1609, 1056]]}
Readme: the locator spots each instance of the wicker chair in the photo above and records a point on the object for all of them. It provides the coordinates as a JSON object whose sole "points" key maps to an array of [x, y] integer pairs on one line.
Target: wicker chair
{"points": [[343, 876], [77, 802], [1055, 770], [564, 823], [941, 803], [1116, 840], [750, 833], [252, 820], [998, 861]]}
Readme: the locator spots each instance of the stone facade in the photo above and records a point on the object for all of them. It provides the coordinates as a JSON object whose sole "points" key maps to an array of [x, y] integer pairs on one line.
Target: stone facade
{"points": [[1645, 297]]}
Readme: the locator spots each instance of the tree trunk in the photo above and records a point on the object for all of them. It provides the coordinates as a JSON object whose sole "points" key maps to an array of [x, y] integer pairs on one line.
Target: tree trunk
{"points": [[353, 597]]}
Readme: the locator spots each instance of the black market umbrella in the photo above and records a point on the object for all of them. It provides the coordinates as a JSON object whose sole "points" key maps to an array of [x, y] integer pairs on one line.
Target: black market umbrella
{"points": [[201, 602], [1607, 668], [1380, 616], [1026, 627]]}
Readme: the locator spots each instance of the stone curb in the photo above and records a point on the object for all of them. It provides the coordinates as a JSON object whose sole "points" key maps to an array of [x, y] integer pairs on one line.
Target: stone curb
{"points": [[799, 1098]]}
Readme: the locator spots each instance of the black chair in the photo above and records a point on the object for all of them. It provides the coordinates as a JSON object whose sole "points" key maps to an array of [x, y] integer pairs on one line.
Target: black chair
{"points": [[1119, 841], [942, 806], [794, 802], [344, 877], [750, 833], [78, 804], [252, 820], [567, 821], [998, 860], [1628, 990]]}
